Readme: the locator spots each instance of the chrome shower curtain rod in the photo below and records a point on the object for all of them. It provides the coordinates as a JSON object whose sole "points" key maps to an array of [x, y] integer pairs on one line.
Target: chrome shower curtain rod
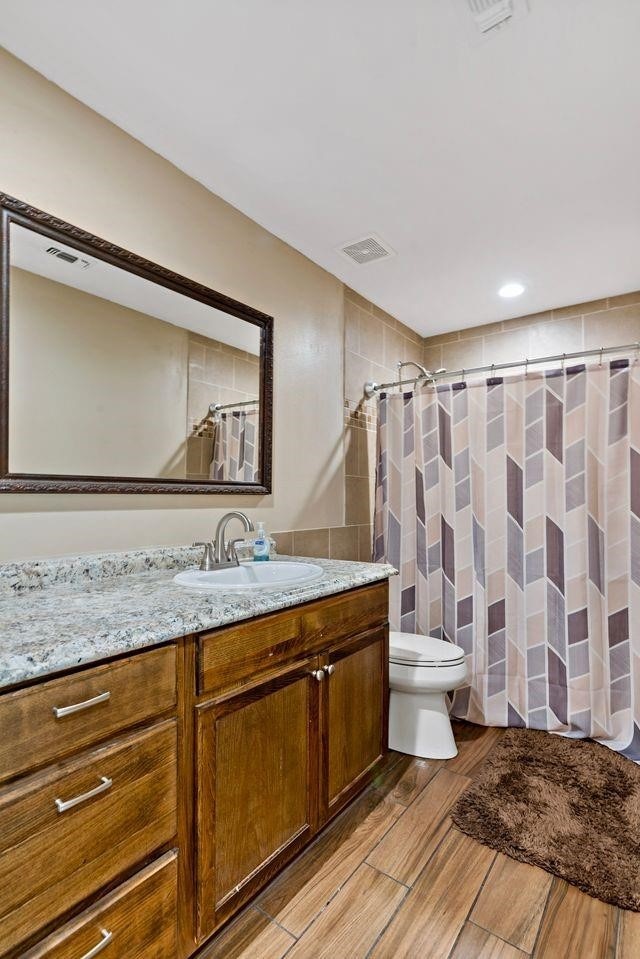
{"points": [[216, 407], [426, 376]]}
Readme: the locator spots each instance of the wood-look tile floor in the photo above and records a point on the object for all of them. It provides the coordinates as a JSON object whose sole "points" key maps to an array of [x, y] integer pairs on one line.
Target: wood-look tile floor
{"points": [[391, 878]]}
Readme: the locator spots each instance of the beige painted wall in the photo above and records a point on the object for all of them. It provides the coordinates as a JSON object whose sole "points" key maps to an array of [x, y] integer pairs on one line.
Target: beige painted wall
{"points": [[62, 157], [95, 388]]}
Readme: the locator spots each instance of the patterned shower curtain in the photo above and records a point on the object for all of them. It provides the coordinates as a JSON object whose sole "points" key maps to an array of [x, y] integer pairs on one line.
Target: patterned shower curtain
{"points": [[511, 508], [235, 446]]}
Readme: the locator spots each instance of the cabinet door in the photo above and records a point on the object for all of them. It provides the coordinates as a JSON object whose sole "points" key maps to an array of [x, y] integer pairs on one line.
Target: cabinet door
{"points": [[354, 716], [258, 766]]}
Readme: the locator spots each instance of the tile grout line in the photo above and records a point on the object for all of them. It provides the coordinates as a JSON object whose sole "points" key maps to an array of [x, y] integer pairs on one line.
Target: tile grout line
{"points": [[467, 918], [437, 846], [340, 888], [435, 850], [275, 922], [618, 925], [383, 873], [495, 935], [370, 789], [482, 884], [543, 917], [420, 791], [383, 931]]}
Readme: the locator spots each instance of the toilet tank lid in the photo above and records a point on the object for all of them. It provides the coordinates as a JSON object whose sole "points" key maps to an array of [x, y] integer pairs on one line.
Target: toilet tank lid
{"points": [[411, 648]]}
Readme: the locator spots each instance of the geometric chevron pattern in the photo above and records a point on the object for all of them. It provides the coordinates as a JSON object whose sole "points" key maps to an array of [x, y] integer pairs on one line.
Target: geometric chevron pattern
{"points": [[511, 508], [235, 446]]}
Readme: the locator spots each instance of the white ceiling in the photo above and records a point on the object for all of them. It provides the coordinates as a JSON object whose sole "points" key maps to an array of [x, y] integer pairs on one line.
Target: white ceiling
{"points": [[28, 251], [478, 159]]}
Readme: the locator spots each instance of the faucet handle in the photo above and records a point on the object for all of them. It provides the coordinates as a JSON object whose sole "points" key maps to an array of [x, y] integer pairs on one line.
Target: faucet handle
{"points": [[207, 562], [231, 551]]}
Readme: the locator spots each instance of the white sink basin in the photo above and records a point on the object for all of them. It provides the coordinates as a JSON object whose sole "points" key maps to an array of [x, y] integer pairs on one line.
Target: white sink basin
{"points": [[271, 575]]}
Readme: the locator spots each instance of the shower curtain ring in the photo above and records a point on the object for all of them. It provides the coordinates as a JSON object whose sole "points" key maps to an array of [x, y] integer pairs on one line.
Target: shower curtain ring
{"points": [[564, 361], [637, 352], [526, 366], [601, 352], [493, 370], [462, 377]]}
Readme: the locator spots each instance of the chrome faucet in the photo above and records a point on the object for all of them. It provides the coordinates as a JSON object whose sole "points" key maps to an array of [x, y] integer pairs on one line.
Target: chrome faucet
{"points": [[224, 554]]}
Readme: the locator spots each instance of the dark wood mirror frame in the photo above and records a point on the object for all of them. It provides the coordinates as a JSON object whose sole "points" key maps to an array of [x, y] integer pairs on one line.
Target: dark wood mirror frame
{"points": [[15, 211]]}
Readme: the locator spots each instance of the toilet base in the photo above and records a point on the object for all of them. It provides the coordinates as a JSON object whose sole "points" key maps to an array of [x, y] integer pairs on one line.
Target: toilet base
{"points": [[419, 725]]}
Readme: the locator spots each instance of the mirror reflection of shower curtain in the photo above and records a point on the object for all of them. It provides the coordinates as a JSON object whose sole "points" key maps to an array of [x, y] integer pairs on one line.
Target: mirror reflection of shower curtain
{"points": [[235, 446], [511, 508]]}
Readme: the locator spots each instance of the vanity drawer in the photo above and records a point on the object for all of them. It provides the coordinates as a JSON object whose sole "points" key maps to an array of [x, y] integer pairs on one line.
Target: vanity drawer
{"points": [[137, 920], [346, 614], [53, 719], [230, 655], [69, 830]]}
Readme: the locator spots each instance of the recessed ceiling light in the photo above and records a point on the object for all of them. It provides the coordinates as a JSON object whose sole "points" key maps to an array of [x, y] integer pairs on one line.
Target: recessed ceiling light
{"points": [[511, 289]]}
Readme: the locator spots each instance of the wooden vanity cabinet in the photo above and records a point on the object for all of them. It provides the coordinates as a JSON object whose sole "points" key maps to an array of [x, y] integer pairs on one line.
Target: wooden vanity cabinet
{"points": [[355, 711], [145, 799], [279, 755], [257, 786]]}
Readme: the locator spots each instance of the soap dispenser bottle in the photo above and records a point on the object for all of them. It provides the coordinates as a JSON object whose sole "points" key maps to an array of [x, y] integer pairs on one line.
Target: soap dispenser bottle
{"points": [[261, 545]]}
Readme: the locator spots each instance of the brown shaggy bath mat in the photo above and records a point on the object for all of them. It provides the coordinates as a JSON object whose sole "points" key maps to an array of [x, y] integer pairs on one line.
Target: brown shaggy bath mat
{"points": [[570, 806]]}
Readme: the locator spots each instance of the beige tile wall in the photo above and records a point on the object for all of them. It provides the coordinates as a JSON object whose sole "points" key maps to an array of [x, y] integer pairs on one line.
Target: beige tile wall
{"points": [[612, 321], [218, 373], [374, 344], [336, 542]]}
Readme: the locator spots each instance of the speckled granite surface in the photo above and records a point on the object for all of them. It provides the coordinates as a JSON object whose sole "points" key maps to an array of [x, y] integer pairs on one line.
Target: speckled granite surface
{"points": [[58, 614]]}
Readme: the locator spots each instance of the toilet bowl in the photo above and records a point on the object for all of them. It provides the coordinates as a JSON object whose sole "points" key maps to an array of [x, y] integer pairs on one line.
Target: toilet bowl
{"points": [[421, 671]]}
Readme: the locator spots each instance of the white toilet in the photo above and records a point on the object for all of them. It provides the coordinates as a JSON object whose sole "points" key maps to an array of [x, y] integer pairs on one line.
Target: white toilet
{"points": [[421, 670]]}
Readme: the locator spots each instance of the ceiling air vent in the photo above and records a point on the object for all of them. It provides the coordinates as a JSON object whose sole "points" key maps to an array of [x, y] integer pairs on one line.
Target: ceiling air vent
{"points": [[489, 14], [67, 257], [367, 250]]}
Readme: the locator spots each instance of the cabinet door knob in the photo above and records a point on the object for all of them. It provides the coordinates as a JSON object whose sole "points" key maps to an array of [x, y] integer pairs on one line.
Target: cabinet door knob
{"points": [[329, 669], [318, 674]]}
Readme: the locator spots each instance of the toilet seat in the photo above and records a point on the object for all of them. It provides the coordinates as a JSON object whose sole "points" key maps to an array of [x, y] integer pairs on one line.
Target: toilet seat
{"points": [[410, 649]]}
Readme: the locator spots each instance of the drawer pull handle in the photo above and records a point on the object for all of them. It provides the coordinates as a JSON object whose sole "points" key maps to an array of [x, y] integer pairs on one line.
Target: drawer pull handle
{"points": [[106, 939], [64, 804], [318, 674], [330, 669], [60, 711]]}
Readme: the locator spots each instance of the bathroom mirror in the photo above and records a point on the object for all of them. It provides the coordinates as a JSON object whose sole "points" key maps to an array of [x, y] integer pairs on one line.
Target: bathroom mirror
{"points": [[118, 375]]}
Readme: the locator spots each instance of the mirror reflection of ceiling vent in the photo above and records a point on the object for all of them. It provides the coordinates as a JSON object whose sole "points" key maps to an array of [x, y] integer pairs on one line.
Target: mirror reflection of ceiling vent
{"points": [[489, 14], [367, 250], [68, 257]]}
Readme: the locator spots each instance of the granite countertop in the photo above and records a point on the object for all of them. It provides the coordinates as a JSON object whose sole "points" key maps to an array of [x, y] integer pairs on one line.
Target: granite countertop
{"points": [[58, 614]]}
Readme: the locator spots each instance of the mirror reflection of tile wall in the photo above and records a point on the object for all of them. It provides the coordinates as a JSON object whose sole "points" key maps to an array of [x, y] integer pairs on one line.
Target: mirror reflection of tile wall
{"points": [[218, 373]]}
